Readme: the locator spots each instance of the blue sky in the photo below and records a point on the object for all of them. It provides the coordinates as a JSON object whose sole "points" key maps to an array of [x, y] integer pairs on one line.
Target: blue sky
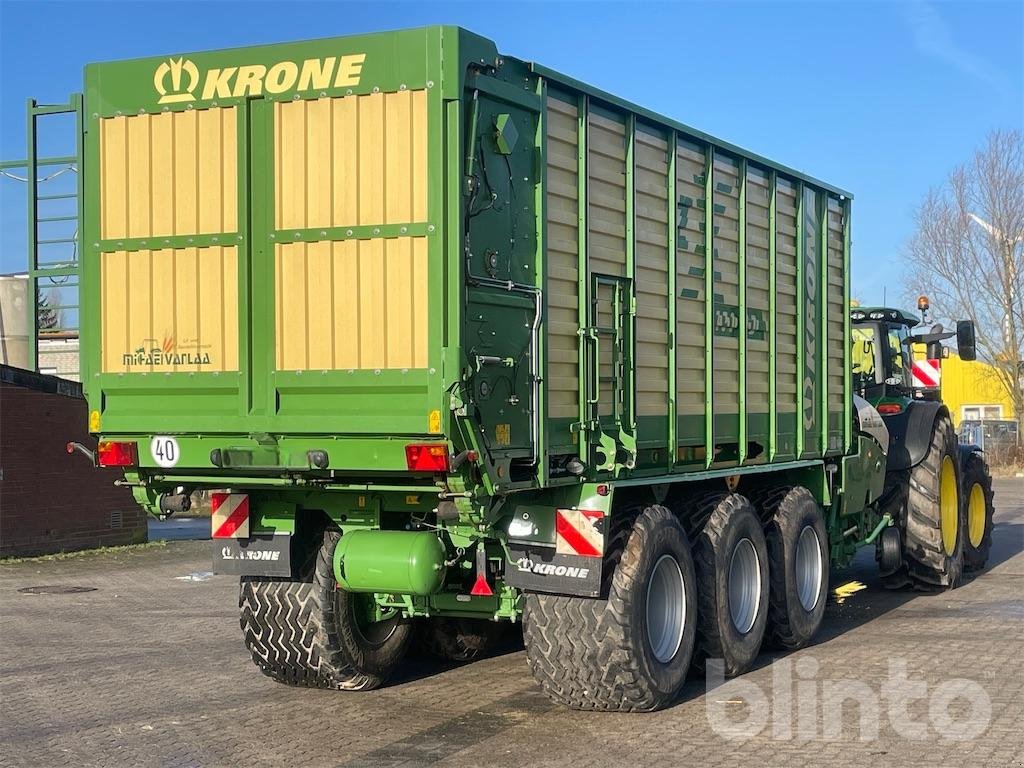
{"points": [[880, 98]]}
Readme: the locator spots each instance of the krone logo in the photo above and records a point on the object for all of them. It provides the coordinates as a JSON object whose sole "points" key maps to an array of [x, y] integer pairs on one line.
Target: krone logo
{"points": [[175, 68], [171, 82]]}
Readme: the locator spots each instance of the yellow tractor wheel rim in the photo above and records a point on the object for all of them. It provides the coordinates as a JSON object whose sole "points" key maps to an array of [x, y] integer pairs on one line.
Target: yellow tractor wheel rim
{"points": [[976, 514], [949, 508]]}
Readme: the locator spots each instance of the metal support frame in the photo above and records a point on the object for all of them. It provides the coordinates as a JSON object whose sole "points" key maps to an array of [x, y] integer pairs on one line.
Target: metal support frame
{"points": [[800, 315], [673, 300], [629, 410], [773, 417], [709, 306], [847, 383], [742, 253], [68, 270], [540, 267], [823, 291], [582, 287]]}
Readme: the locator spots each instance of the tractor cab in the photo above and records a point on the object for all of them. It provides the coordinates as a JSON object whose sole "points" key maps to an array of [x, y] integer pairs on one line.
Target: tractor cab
{"points": [[882, 360], [881, 356], [934, 536]]}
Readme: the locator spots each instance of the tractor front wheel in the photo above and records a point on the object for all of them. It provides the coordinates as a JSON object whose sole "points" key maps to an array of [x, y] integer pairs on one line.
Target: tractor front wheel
{"points": [[933, 531], [977, 488]]}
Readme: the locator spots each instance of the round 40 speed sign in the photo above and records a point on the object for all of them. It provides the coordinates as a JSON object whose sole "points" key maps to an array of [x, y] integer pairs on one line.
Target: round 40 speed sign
{"points": [[164, 450]]}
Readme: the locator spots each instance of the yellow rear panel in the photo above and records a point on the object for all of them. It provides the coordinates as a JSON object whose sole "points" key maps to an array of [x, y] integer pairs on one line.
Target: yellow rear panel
{"points": [[351, 304], [348, 162], [172, 173], [352, 161], [169, 310], [162, 175]]}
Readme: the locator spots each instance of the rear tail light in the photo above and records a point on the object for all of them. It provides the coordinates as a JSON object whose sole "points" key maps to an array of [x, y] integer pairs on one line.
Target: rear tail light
{"points": [[888, 409], [427, 458], [113, 454]]}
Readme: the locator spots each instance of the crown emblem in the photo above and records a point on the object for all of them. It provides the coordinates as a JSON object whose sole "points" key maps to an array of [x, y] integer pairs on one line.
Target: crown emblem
{"points": [[176, 68]]}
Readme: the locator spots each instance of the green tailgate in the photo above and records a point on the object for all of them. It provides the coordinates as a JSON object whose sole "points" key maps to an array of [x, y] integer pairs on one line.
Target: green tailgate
{"points": [[264, 233]]}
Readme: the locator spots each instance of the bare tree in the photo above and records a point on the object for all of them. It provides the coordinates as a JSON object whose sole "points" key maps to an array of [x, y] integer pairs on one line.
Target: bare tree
{"points": [[55, 300], [48, 318], [967, 254]]}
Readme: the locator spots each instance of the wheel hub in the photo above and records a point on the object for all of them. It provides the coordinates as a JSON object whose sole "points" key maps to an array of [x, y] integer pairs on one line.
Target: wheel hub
{"points": [[949, 506], [666, 608], [808, 568], [373, 625], [744, 586], [976, 515]]}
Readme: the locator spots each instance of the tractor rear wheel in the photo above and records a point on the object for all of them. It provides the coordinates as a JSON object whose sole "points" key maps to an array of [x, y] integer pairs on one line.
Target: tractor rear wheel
{"points": [[307, 632], [976, 484], [933, 530], [628, 651]]}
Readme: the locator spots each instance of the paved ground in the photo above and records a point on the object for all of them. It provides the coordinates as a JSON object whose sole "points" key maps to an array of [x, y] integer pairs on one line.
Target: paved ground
{"points": [[149, 670]]}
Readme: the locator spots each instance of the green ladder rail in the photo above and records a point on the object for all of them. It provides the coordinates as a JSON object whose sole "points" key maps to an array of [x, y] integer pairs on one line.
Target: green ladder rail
{"points": [[64, 272]]}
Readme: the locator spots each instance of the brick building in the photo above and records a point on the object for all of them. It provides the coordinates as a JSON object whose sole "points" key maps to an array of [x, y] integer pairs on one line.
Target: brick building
{"points": [[50, 501], [58, 354]]}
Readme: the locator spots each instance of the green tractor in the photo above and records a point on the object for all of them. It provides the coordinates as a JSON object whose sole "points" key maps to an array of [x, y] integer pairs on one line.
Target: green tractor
{"points": [[938, 492]]}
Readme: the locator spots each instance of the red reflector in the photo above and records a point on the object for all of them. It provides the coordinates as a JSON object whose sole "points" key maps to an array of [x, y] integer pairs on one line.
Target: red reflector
{"points": [[481, 588], [427, 458], [111, 454], [888, 409]]}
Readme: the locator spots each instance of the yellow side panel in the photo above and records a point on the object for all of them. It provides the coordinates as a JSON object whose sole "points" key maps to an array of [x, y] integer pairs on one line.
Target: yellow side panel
{"points": [[172, 173], [690, 293], [562, 294], [350, 161], [351, 304], [726, 281], [758, 286], [836, 306], [652, 265], [606, 231], [169, 310], [785, 297], [606, 192]]}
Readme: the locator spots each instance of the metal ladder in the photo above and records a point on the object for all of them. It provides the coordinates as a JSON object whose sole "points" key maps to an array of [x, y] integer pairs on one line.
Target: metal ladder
{"points": [[609, 433], [49, 230]]}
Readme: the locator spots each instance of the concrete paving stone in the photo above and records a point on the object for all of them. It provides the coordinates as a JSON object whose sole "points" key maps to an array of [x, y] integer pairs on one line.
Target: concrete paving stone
{"points": [[149, 670]]}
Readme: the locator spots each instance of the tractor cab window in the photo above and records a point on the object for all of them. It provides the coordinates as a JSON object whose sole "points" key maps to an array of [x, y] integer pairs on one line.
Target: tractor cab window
{"points": [[899, 353], [862, 356], [896, 365]]}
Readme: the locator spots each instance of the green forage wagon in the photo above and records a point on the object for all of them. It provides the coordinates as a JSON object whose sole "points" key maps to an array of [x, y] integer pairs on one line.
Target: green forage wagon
{"points": [[454, 339]]}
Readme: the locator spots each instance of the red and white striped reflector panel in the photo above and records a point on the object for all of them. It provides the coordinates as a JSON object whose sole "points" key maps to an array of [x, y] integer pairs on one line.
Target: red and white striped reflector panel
{"points": [[926, 373], [230, 518], [578, 532]]}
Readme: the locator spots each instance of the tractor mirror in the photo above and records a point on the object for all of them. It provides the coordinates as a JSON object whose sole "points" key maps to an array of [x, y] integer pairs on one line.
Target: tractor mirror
{"points": [[965, 343]]}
